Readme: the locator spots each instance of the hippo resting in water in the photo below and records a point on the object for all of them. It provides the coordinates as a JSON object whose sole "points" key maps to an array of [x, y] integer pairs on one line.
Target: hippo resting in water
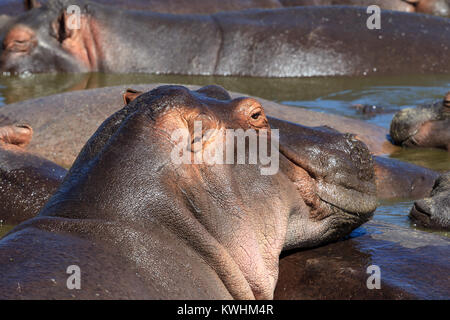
{"points": [[423, 126], [26, 180], [196, 231], [437, 7], [434, 212], [290, 42], [76, 115]]}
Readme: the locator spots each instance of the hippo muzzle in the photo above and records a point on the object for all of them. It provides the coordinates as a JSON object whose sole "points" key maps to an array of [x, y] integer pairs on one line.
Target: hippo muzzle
{"points": [[423, 126]]}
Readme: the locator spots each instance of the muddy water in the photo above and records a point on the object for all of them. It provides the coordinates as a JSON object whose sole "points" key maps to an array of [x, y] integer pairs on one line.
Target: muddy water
{"points": [[335, 95]]}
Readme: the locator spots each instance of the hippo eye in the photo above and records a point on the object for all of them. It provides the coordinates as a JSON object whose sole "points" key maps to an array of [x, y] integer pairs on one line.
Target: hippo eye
{"points": [[256, 115]]}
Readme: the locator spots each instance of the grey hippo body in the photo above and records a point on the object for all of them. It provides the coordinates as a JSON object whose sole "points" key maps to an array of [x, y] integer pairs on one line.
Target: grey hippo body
{"points": [[26, 180], [76, 115], [437, 7], [186, 231], [413, 265], [289, 42]]}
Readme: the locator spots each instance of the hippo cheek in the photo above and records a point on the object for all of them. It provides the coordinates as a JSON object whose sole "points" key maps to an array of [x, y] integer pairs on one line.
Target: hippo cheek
{"points": [[432, 212], [433, 134], [337, 188], [407, 122]]}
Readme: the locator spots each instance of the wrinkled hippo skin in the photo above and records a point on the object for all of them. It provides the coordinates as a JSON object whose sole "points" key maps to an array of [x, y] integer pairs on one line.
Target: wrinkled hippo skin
{"points": [[434, 212], [76, 115], [424, 126], [26, 180], [413, 264], [182, 230], [287, 42]]}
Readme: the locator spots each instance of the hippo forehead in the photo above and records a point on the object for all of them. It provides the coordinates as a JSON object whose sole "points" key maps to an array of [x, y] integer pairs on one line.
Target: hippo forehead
{"points": [[213, 102]]}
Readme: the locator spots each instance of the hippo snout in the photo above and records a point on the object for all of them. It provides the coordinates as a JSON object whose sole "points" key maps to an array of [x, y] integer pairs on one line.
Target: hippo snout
{"points": [[340, 165]]}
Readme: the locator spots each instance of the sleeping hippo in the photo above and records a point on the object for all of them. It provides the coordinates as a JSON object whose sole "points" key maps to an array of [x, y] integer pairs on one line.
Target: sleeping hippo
{"points": [[287, 42], [434, 211], [26, 180], [424, 126], [189, 231]]}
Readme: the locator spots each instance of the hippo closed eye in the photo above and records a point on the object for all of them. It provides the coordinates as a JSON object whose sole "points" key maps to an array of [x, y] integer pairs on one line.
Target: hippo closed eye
{"points": [[186, 230], [423, 126]]}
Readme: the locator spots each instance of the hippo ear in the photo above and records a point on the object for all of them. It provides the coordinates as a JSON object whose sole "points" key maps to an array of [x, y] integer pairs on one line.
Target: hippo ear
{"points": [[31, 4], [17, 134], [130, 94]]}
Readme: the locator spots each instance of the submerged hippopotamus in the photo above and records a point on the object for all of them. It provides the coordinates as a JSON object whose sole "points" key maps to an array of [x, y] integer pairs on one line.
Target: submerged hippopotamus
{"points": [[16, 7], [413, 264], [289, 42], [195, 231], [437, 7], [423, 126], [26, 180], [434, 212]]}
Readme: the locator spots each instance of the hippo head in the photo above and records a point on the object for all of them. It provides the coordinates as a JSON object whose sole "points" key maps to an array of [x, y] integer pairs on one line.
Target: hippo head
{"points": [[130, 171], [424, 126], [434, 212], [49, 39]]}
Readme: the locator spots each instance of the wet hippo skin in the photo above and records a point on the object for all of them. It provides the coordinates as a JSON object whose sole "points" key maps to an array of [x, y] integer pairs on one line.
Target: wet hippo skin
{"points": [[438, 7], [26, 180], [413, 265], [77, 114], [434, 211], [185, 231], [288, 42]]}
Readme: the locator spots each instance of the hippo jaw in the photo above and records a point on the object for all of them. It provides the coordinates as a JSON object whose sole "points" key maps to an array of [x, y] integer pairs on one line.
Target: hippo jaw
{"points": [[424, 126], [336, 181], [434, 211]]}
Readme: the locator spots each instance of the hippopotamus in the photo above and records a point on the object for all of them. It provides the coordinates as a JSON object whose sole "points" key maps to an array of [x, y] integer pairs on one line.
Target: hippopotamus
{"points": [[434, 211], [189, 231], [436, 7], [413, 264], [16, 7], [286, 42], [26, 180], [76, 115], [424, 126]]}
